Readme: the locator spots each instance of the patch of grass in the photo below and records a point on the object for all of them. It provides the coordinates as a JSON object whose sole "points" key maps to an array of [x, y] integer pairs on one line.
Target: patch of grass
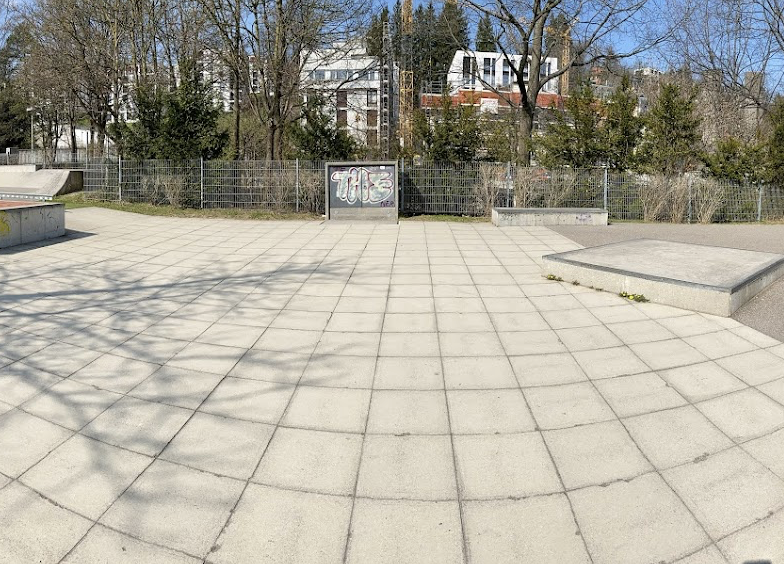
{"points": [[634, 297], [446, 217], [77, 200], [554, 278]]}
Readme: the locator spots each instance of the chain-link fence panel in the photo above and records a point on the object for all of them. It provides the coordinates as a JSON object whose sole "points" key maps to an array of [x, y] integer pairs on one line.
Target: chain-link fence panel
{"points": [[438, 188], [101, 180]]}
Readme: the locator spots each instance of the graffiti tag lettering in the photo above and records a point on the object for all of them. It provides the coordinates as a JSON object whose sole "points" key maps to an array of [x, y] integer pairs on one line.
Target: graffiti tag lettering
{"points": [[358, 184], [5, 229]]}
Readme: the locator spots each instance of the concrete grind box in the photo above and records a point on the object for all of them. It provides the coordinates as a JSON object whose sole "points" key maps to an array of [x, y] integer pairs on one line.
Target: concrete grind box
{"points": [[23, 222], [715, 280], [361, 191]]}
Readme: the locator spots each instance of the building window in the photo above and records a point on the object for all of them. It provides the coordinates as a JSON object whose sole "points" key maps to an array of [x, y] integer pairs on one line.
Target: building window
{"points": [[342, 98], [506, 76], [469, 70], [372, 118], [342, 117], [372, 138], [373, 75], [319, 75], [526, 71], [340, 74], [488, 71], [372, 98]]}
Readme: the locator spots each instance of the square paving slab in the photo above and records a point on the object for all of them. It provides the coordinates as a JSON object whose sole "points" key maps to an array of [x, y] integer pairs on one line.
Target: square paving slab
{"points": [[715, 280], [234, 392]]}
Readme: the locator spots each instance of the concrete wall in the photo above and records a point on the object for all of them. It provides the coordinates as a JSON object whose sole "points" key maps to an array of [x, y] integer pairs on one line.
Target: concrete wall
{"points": [[506, 217], [27, 224]]}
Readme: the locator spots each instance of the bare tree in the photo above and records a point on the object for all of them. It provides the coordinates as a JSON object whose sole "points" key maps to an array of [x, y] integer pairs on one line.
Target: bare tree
{"points": [[265, 44], [727, 48], [537, 29]]}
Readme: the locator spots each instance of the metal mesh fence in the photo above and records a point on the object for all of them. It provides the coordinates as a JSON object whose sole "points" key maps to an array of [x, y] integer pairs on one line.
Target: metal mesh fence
{"points": [[437, 188], [272, 185], [461, 189]]}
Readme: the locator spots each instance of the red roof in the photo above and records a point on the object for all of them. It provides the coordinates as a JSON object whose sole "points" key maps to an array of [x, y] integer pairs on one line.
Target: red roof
{"points": [[474, 98]]}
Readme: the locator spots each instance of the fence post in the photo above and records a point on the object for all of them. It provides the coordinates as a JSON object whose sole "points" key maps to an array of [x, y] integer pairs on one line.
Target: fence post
{"points": [[689, 180], [119, 177], [201, 182], [296, 184], [509, 185], [759, 202], [402, 194], [605, 189]]}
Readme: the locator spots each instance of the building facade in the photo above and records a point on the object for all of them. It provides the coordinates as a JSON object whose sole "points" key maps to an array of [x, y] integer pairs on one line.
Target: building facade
{"points": [[358, 91], [486, 79]]}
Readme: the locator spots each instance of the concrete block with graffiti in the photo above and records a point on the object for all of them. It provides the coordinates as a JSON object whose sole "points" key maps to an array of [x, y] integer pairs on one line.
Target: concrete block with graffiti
{"points": [[27, 222], [362, 191]]}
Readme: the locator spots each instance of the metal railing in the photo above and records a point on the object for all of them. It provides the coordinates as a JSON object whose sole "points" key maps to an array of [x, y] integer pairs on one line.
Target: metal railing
{"points": [[61, 158], [436, 188]]}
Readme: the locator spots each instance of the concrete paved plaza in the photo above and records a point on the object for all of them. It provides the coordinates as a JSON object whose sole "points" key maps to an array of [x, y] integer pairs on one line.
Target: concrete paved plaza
{"points": [[188, 390]]}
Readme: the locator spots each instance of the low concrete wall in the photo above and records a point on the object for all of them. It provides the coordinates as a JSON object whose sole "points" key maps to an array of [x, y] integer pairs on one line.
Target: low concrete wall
{"points": [[505, 217], [30, 223]]}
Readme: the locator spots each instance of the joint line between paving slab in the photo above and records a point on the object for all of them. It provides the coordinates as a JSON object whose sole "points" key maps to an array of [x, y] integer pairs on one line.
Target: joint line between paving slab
{"points": [[155, 457], [347, 544], [733, 443], [538, 429], [285, 410], [458, 484], [655, 469]]}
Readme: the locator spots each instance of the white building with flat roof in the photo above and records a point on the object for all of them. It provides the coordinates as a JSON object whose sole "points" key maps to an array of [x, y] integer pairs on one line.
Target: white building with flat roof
{"points": [[490, 71], [486, 79]]}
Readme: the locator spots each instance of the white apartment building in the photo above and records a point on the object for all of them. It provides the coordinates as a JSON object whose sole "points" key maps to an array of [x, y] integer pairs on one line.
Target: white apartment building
{"points": [[357, 90], [486, 79]]}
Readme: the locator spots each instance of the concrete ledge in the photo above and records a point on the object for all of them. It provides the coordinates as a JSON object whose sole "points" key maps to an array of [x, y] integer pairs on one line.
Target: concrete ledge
{"points": [[715, 280], [26, 222], [505, 217]]}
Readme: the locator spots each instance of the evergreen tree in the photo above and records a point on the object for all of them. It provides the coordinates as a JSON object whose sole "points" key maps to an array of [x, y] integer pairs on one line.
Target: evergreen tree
{"points": [[423, 45], [622, 128], [14, 120], [374, 38], [317, 138], [485, 35], [455, 135], [775, 144], [735, 160], [396, 30], [574, 138], [670, 138], [451, 34], [143, 139], [181, 124]]}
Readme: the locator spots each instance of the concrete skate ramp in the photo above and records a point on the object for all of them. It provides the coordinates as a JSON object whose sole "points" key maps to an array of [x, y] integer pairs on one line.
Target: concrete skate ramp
{"points": [[25, 182]]}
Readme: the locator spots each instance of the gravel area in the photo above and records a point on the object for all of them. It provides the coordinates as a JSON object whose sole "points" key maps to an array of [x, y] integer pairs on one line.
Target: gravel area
{"points": [[764, 313]]}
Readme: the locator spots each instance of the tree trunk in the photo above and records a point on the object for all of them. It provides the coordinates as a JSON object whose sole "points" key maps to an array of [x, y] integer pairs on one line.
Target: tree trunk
{"points": [[525, 137], [236, 116], [237, 63], [72, 127]]}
